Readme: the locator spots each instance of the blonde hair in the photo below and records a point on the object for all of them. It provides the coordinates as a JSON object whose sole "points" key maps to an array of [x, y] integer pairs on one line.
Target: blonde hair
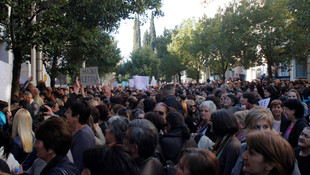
{"points": [[241, 115], [256, 114], [22, 127]]}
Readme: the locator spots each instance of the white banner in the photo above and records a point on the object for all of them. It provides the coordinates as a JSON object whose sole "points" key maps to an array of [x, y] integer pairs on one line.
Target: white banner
{"points": [[131, 83], [264, 102], [5, 81], [141, 82], [89, 76]]}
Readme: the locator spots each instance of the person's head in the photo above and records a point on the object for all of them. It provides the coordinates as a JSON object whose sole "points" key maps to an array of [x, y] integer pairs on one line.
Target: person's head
{"points": [[270, 91], [53, 137], [103, 112], [78, 112], [199, 99], [174, 120], [240, 117], [156, 119], [191, 106], [230, 101], [224, 88], [196, 161], [169, 89], [141, 138], [223, 98], [248, 97], [224, 123], [22, 127], [293, 109], [148, 104], [109, 161], [106, 91], [304, 138], [259, 119], [93, 103], [28, 96], [117, 126], [34, 91], [206, 109], [293, 94], [132, 102], [276, 108], [268, 153], [162, 109]]}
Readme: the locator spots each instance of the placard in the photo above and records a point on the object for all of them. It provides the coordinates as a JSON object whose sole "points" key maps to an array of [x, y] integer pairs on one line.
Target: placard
{"points": [[141, 82], [5, 81], [131, 83], [89, 76], [264, 102]]}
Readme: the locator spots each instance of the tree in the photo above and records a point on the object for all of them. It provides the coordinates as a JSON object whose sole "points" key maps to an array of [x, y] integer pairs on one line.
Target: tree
{"points": [[152, 32], [136, 35], [170, 65], [21, 35], [146, 39], [183, 45]]}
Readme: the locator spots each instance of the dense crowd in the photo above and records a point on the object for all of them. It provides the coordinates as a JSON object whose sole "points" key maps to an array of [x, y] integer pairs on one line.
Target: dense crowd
{"points": [[215, 128]]}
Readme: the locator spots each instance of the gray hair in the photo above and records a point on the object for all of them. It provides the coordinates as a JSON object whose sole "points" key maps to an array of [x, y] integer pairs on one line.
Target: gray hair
{"points": [[118, 126], [209, 104], [145, 135]]}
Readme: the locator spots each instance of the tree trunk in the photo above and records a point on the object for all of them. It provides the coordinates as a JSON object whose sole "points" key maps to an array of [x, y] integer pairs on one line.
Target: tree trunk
{"points": [[269, 69], [17, 64], [198, 76], [179, 74], [52, 81]]}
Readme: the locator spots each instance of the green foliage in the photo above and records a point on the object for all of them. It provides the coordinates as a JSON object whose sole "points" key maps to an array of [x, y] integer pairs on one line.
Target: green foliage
{"points": [[152, 32], [137, 34], [146, 39]]}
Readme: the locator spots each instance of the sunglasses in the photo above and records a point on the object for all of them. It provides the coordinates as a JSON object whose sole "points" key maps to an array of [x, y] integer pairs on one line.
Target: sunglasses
{"points": [[160, 112]]}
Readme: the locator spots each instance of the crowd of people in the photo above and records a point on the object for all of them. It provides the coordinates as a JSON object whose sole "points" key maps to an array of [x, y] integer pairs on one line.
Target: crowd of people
{"points": [[215, 128]]}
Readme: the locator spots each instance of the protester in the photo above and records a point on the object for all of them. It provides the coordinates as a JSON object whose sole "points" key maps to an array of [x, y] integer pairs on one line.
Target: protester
{"points": [[83, 136], [227, 146], [268, 153], [53, 141], [117, 126], [302, 152], [196, 161]]}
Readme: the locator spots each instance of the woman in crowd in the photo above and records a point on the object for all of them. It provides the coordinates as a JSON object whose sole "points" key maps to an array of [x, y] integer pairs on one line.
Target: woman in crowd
{"points": [[23, 138], [294, 111], [258, 119], [162, 109], [5, 151], [270, 92], [204, 128], [248, 100], [268, 153], [117, 125], [240, 117], [53, 141], [230, 101], [294, 94], [280, 122], [193, 119], [196, 161], [105, 160], [177, 134], [227, 146]]}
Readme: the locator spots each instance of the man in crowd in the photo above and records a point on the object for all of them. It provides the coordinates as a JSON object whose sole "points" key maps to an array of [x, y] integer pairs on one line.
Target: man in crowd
{"points": [[170, 99]]}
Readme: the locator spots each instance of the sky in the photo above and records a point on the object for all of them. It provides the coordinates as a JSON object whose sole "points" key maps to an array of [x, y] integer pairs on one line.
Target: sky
{"points": [[175, 11]]}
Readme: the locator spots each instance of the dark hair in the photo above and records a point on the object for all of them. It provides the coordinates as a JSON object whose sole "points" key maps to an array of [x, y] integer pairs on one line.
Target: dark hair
{"points": [[82, 109], [233, 99], [148, 104], [145, 135], [103, 112], [176, 121], [94, 113], [250, 96], [6, 142], [156, 119], [109, 161], [56, 134], [224, 123], [294, 104], [199, 161]]}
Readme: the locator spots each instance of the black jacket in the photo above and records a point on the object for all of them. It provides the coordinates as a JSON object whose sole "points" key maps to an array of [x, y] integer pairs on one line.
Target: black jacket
{"points": [[171, 101]]}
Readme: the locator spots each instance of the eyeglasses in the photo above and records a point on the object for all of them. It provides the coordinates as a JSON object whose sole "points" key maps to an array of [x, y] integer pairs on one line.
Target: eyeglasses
{"points": [[160, 112]]}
